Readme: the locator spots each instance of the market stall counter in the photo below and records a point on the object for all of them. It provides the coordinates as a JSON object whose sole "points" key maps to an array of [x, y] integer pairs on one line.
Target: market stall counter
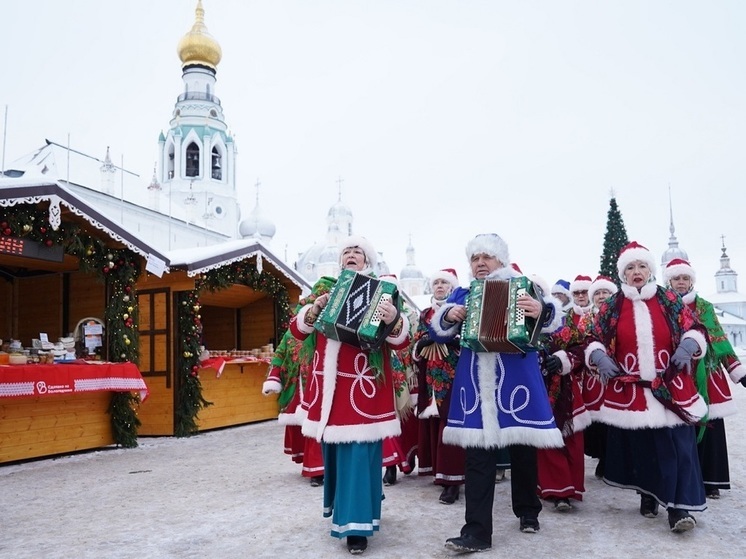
{"points": [[234, 386], [63, 407]]}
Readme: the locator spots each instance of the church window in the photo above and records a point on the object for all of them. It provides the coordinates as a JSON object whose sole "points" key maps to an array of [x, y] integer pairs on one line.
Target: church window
{"points": [[217, 170], [192, 160], [170, 163]]}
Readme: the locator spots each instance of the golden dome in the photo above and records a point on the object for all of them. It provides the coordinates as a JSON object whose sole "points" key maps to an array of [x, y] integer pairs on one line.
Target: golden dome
{"points": [[198, 46]]}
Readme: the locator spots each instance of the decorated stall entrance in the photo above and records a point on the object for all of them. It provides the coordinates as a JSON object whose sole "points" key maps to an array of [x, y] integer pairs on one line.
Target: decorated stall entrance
{"points": [[62, 261], [207, 332]]}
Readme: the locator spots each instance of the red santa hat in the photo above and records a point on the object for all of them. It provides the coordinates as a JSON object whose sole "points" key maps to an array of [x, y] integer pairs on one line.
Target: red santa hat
{"points": [[602, 282], [580, 283], [679, 267], [632, 252], [491, 244], [447, 274], [371, 256], [391, 278]]}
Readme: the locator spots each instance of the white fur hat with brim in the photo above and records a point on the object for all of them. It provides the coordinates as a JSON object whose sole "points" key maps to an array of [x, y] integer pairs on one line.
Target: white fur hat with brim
{"points": [[447, 274], [491, 244], [602, 282], [679, 267], [580, 283], [361, 242], [632, 252]]}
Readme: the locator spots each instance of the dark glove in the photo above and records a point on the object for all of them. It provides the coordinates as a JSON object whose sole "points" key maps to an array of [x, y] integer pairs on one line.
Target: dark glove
{"points": [[552, 364], [743, 382], [425, 341], [682, 357], [605, 365]]}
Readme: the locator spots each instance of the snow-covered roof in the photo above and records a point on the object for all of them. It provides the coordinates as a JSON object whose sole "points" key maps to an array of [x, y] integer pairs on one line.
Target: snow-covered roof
{"points": [[726, 297], [201, 259], [26, 190]]}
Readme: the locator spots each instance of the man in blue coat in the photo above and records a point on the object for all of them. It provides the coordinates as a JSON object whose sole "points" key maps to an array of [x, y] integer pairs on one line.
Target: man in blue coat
{"points": [[499, 400]]}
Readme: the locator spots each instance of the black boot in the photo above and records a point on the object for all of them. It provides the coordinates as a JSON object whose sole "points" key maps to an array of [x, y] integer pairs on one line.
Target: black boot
{"points": [[317, 481], [648, 506], [450, 494], [357, 544], [389, 478], [680, 520]]}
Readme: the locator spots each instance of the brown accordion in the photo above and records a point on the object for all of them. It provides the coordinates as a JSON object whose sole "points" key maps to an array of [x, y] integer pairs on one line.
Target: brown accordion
{"points": [[494, 323]]}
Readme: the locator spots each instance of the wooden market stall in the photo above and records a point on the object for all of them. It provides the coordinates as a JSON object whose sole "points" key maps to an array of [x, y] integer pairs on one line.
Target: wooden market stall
{"points": [[64, 264], [231, 298]]}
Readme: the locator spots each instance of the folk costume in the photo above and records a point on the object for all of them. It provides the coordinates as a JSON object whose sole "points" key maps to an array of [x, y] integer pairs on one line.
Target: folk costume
{"points": [[719, 364], [436, 367], [561, 471], [288, 375], [400, 452], [502, 402], [651, 406], [594, 436], [349, 408], [562, 287]]}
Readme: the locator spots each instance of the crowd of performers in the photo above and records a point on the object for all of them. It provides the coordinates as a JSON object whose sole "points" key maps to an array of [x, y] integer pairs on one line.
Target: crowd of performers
{"points": [[638, 377]]}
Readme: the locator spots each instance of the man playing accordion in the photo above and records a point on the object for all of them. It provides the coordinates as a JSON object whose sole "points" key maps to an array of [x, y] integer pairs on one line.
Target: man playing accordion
{"points": [[499, 400]]}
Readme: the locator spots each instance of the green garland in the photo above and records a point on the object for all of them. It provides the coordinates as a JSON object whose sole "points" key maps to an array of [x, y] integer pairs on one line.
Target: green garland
{"points": [[189, 399], [246, 273], [119, 269]]}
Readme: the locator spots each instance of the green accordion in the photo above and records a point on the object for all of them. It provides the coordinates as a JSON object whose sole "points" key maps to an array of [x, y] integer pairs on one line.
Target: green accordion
{"points": [[494, 322], [352, 314]]}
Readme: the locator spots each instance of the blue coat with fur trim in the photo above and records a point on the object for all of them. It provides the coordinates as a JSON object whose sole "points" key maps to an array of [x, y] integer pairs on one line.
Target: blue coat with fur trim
{"points": [[497, 399]]}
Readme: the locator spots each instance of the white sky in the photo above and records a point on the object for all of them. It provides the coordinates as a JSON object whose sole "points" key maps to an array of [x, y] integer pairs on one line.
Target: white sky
{"points": [[445, 118]]}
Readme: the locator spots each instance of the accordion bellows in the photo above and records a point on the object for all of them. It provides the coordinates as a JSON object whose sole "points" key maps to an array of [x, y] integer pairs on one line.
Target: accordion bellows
{"points": [[352, 315], [494, 323]]}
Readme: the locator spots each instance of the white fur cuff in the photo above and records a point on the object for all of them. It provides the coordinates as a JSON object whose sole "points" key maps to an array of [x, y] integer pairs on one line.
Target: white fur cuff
{"points": [[301, 320], [737, 372], [565, 359], [271, 386], [442, 331], [593, 346], [701, 342]]}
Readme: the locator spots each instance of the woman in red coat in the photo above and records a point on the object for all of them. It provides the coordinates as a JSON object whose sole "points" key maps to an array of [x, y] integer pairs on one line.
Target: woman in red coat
{"points": [[350, 408]]}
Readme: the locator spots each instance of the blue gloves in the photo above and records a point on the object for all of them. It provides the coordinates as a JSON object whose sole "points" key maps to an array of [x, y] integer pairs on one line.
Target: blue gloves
{"points": [[683, 355], [605, 365]]}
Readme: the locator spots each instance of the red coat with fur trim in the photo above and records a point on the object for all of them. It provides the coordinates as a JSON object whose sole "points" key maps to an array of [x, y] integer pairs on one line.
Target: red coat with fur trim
{"points": [[641, 336], [343, 401]]}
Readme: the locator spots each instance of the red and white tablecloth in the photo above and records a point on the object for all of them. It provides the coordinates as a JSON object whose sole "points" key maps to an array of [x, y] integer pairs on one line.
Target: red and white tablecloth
{"points": [[70, 378]]}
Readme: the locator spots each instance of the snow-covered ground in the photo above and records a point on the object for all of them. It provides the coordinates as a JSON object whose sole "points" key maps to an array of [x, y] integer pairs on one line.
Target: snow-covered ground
{"points": [[234, 494]]}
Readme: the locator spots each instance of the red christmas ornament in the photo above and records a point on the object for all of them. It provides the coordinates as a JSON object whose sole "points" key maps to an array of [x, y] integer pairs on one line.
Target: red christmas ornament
{"points": [[49, 242], [7, 231]]}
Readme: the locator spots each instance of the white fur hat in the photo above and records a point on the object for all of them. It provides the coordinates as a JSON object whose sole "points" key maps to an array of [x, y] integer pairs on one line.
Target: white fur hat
{"points": [[602, 282], [488, 243], [581, 283], [632, 252], [355, 241], [447, 274], [679, 267]]}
